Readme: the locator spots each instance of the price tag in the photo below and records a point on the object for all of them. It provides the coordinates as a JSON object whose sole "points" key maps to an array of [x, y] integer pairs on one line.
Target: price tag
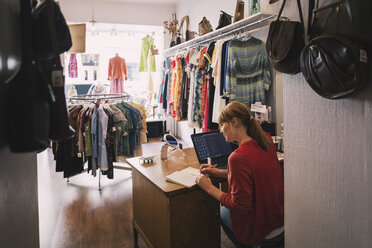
{"points": [[363, 56], [258, 108], [57, 78]]}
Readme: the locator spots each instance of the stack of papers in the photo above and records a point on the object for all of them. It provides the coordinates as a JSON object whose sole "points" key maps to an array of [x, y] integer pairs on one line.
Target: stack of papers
{"points": [[185, 177]]}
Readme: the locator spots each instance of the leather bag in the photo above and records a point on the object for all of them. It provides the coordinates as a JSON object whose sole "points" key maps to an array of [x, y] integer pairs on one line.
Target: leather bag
{"points": [[43, 48], [239, 10], [225, 20], [59, 122], [344, 17], [333, 62], [29, 97], [285, 42], [205, 26], [334, 66]]}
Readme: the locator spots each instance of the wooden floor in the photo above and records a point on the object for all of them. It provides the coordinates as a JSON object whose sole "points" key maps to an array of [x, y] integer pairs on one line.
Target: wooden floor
{"points": [[76, 214]]}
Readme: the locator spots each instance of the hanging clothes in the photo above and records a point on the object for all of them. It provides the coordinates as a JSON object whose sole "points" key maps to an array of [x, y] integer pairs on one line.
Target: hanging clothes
{"points": [[202, 81], [117, 86], [218, 103], [247, 79], [117, 72], [147, 42], [209, 93], [72, 66], [102, 132]]}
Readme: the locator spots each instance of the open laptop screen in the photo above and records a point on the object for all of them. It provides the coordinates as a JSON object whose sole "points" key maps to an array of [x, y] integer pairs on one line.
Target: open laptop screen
{"points": [[210, 144]]}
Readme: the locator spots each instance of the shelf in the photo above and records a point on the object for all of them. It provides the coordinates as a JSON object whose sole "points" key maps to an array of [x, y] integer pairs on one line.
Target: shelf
{"points": [[253, 22]]}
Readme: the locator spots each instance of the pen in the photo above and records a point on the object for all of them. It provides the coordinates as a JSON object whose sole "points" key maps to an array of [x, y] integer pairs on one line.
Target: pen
{"points": [[211, 166]]}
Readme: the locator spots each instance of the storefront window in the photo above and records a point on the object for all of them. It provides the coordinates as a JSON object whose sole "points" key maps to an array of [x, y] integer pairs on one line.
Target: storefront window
{"points": [[104, 41]]}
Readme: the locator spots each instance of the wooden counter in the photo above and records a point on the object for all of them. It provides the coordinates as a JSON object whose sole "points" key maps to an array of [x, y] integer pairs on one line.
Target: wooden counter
{"points": [[168, 215]]}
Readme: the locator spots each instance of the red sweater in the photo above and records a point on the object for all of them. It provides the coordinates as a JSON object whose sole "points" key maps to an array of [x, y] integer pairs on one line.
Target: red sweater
{"points": [[256, 192]]}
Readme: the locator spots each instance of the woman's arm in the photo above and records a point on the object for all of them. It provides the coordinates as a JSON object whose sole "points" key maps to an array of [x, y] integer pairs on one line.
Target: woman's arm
{"points": [[205, 183], [213, 172]]}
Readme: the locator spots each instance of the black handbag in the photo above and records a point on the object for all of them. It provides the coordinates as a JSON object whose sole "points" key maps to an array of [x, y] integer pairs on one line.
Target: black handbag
{"points": [[29, 97], [42, 42], [225, 20], [343, 17], [333, 62], [59, 120], [285, 41]]}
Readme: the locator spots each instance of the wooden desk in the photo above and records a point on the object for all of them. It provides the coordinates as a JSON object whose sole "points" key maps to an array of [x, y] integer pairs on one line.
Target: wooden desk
{"points": [[170, 215]]}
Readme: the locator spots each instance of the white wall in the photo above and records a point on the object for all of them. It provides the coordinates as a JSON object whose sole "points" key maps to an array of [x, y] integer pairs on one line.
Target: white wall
{"points": [[328, 145], [116, 12], [327, 174]]}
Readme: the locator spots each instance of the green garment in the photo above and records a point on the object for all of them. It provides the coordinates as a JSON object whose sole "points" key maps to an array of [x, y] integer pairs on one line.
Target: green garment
{"points": [[147, 42]]}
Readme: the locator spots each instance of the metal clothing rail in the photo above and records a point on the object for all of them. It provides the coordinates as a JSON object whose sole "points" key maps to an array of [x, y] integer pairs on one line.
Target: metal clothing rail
{"points": [[98, 97], [253, 22]]}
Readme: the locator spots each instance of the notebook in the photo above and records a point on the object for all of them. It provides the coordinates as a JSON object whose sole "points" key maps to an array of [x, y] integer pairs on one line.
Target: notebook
{"points": [[185, 177], [213, 145]]}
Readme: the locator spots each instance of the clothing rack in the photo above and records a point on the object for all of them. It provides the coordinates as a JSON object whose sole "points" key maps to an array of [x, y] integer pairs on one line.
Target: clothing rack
{"points": [[99, 97], [253, 22], [95, 98]]}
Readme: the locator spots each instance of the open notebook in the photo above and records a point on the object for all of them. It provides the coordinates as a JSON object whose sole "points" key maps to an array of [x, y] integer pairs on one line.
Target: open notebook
{"points": [[185, 177]]}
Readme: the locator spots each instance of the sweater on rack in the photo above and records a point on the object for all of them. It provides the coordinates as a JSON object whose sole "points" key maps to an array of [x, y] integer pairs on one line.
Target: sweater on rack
{"points": [[248, 73]]}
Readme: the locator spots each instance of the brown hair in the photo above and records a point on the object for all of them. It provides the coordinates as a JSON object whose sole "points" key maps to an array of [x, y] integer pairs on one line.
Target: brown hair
{"points": [[244, 115]]}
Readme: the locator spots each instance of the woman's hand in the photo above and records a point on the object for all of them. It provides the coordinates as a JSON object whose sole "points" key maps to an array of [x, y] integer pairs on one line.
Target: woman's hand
{"points": [[207, 169], [204, 182]]}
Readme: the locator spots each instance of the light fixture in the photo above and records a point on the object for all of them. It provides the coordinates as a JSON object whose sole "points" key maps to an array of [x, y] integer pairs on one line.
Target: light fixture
{"points": [[93, 21]]}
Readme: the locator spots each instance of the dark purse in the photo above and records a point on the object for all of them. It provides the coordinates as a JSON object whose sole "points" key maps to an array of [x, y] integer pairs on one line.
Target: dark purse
{"points": [[29, 97], [59, 121], [43, 47], [225, 20], [333, 62], [285, 42], [205, 26]]}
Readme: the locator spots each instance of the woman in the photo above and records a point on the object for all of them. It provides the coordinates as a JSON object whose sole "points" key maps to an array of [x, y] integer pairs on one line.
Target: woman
{"points": [[252, 211]]}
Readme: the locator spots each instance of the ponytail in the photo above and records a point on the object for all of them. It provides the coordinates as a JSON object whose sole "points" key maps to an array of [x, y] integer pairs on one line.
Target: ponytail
{"points": [[244, 114]]}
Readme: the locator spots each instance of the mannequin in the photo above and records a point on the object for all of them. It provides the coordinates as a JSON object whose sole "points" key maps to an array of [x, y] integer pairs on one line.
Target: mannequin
{"points": [[117, 73]]}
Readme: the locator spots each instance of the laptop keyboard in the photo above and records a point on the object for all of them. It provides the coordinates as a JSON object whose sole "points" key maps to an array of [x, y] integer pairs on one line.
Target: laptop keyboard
{"points": [[220, 162]]}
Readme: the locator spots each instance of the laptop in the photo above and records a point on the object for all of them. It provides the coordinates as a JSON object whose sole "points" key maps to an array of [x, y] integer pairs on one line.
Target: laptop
{"points": [[213, 145]]}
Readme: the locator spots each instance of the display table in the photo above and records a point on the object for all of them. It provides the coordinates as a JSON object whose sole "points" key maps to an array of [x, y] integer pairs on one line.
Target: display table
{"points": [[168, 215]]}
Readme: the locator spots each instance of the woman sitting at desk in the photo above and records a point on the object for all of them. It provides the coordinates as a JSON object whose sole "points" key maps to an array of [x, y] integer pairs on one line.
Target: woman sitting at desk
{"points": [[252, 211]]}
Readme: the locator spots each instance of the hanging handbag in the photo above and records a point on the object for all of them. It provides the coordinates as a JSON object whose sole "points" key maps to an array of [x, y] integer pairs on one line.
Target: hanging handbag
{"points": [[333, 62], [187, 33], [239, 10], [285, 42], [42, 43], [29, 97], [59, 123], [344, 17], [225, 20], [205, 26]]}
